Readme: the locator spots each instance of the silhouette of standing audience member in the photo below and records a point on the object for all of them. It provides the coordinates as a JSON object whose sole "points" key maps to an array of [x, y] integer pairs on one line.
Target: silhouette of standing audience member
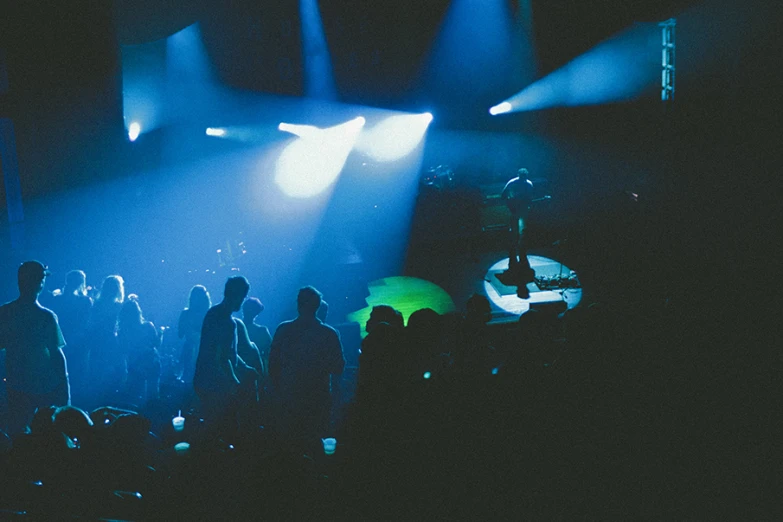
{"points": [[258, 334], [220, 370], [107, 364], [73, 308], [37, 375], [305, 353], [138, 340], [189, 328]]}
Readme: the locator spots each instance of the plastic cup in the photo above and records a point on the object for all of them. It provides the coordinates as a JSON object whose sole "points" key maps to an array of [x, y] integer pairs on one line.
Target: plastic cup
{"points": [[178, 423], [329, 445]]}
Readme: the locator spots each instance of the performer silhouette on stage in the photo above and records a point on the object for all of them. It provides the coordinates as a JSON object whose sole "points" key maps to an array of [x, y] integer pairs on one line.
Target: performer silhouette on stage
{"points": [[518, 195]]}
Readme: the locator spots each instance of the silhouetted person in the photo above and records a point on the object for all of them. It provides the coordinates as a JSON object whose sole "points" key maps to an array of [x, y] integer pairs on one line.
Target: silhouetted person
{"points": [[381, 362], [518, 195], [252, 384], [37, 376], [219, 368], [73, 307], [107, 365], [189, 327], [473, 353], [138, 340], [424, 335], [258, 334], [305, 353], [323, 311]]}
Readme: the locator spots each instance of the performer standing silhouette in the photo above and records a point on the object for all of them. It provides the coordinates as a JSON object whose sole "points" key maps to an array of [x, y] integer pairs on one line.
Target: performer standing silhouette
{"points": [[518, 195]]}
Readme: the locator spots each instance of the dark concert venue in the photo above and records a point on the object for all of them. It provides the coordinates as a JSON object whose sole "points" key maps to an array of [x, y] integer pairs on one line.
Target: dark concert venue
{"points": [[403, 260]]}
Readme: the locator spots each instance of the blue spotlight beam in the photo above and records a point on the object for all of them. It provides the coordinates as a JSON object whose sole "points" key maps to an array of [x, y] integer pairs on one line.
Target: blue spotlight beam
{"points": [[319, 79], [311, 163], [395, 137], [621, 68]]}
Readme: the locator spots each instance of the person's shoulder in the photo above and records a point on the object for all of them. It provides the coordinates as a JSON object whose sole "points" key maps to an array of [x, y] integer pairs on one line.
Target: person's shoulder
{"points": [[239, 322], [149, 326], [5, 311], [285, 326], [42, 310], [212, 312], [329, 329], [328, 326]]}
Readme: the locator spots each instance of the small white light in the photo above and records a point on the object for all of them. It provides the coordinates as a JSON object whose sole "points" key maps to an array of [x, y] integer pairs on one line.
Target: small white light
{"points": [[500, 108], [134, 129], [213, 131]]}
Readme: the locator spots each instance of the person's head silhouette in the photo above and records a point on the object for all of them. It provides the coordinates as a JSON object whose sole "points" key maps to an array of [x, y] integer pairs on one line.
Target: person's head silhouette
{"points": [[31, 276], [308, 301], [199, 299], [235, 292], [251, 308], [113, 289], [75, 283]]}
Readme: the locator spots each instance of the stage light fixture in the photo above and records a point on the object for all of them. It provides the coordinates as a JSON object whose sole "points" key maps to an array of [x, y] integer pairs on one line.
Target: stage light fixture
{"points": [[216, 131], [134, 129], [500, 108]]}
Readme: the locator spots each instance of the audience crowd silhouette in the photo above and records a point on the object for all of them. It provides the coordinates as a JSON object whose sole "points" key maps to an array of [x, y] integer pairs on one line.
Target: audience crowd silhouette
{"points": [[451, 418]]}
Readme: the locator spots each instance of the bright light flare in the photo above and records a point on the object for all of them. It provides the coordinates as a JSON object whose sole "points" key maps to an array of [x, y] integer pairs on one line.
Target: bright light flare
{"points": [[312, 163], [395, 137], [500, 108], [216, 131], [134, 129]]}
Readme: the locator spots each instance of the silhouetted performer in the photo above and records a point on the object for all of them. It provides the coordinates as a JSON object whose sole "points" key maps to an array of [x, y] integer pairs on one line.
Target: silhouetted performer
{"points": [[138, 340], [37, 376], [107, 365], [189, 328], [304, 354], [219, 368], [73, 307], [518, 195]]}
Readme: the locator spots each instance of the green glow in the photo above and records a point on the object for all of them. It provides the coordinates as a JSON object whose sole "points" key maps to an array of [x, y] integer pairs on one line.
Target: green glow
{"points": [[406, 294]]}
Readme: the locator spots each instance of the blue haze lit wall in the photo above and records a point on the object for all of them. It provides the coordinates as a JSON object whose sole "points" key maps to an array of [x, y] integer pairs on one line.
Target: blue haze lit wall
{"points": [[167, 81], [143, 84], [482, 47], [190, 79], [621, 68]]}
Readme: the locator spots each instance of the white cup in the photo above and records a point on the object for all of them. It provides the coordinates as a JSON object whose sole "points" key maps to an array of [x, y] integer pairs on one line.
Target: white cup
{"points": [[178, 422], [329, 445]]}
